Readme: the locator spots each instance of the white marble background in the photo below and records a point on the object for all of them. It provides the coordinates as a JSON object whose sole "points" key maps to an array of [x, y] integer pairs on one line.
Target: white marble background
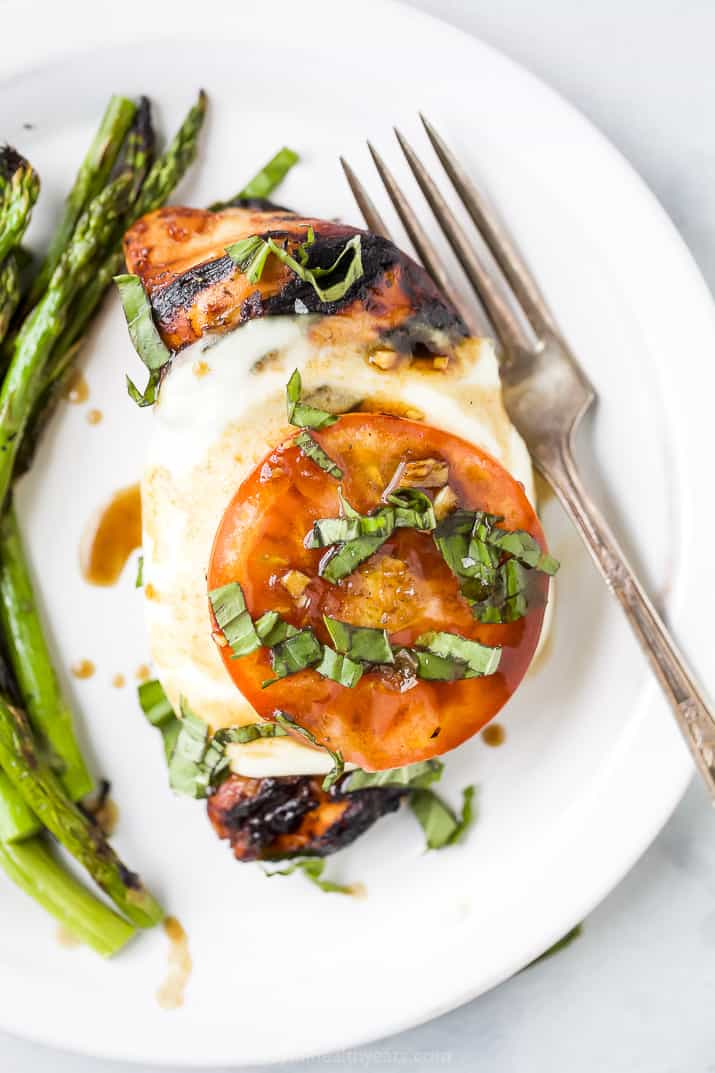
{"points": [[636, 993]]}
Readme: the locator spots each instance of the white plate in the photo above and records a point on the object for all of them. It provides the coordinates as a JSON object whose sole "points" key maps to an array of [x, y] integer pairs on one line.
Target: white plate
{"points": [[592, 766]]}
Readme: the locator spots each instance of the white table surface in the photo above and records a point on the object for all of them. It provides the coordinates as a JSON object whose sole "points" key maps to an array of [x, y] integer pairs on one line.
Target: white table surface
{"points": [[636, 993]]}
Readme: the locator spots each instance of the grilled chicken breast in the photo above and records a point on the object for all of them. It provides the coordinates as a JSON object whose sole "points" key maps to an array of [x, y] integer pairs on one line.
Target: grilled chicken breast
{"points": [[393, 344]]}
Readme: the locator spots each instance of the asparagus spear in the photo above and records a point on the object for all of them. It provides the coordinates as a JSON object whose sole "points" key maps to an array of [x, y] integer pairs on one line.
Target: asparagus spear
{"points": [[10, 291], [165, 173], [43, 792], [19, 187], [36, 871], [263, 182], [17, 821], [47, 709], [91, 178], [40, 331]]}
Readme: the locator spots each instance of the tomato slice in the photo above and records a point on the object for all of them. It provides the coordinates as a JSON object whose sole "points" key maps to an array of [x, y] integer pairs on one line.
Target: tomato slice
{"points": [[405, 588]]}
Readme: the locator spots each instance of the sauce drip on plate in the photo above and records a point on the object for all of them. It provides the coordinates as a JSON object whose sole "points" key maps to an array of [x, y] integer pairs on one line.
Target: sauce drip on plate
{"points": [[494, 734], [111, 537], [77, 390], [84, 668], [170, 995]]}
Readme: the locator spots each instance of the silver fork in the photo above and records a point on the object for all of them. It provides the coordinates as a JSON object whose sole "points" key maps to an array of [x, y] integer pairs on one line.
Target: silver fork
{"points": [[546, 394]]}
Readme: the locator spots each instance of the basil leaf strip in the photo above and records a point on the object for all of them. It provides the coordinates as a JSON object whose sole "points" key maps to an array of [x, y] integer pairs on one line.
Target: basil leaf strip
{"points": [[440, 825], [265, 181], [315, 452], [231, 613], [144, 335], [299, 413], [147, 397], [507, 602], [338, 767], [360, 643], [159, 712], [415, 776], [360, 535], [477, 659], [296, 653], [187, 772], [313, 868], [155, 703], [139, 580], [473, 545], [250, 256], [339, 668]]}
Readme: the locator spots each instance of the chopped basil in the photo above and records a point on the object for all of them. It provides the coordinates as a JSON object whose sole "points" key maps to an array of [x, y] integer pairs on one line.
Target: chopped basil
{"points": [[147, 397], [272, 628], [187, 771], [144, 335], [265, 181], [360, 535], [472, 545], [159, 712], [296, 653], [440, 825], [231, 613], [313, 868], [522, 547], [347, 557], [559, 945], [315, 452], [139, 581], [507, 602], [360, 643], [339, 668], [338, 767], [474, 658], [415, 776], [251, 254], [299, 413]]}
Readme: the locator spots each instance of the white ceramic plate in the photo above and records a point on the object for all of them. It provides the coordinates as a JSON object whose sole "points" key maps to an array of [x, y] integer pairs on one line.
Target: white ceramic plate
{"points": [[592, 766]]}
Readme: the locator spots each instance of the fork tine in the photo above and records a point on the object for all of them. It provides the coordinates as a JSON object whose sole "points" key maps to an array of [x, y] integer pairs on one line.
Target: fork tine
{"points": [[495, 301], [497, 239], [425, 250], [371, 216]]}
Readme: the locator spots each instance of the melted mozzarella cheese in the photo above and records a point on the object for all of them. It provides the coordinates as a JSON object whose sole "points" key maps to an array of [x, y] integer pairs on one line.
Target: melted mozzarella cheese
{"points": [[221, 409]]}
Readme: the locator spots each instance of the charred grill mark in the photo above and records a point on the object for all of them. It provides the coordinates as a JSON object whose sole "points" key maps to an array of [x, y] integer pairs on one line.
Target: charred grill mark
{"points": [[384, 268], [179, 295], [274, 818], [10, 161]]}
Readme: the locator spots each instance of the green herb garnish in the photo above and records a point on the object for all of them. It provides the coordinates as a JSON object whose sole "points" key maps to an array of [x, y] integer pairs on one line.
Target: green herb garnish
{"points": [[313, 868], [360, 643], [285, 721], [360, 535], [471, 658], [144, 335], [340, 668], [473, 546], [440, 825], [233, 618], [159, 712], [139, 580], [187, 772], [301, 415], [415, 776], [251, 254], [296, 653], [315, 452]]}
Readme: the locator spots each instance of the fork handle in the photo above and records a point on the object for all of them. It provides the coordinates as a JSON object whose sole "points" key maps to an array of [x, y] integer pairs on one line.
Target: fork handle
{"points": [[693, 714]]}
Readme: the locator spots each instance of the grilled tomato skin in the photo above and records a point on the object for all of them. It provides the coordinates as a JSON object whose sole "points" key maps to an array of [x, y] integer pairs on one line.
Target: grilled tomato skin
{"points": [[406, 588]]}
